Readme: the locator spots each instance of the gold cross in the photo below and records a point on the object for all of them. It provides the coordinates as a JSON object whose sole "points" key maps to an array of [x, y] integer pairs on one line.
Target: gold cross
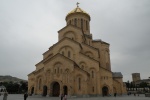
{"points": [[77, 4]]}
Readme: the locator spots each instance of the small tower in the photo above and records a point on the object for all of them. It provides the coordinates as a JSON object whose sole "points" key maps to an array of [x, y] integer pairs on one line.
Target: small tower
{"points": [[136, 77]]}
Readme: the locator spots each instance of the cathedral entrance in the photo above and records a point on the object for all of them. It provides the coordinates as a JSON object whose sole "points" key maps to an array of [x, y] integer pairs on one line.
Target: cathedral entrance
{"points": [[65, 90], [44, 90], [55, 89], [32, 90], [105, 91]]}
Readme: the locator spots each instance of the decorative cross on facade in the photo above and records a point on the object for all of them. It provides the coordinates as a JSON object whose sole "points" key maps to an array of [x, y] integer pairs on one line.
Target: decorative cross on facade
{"points": [[77, 4]]}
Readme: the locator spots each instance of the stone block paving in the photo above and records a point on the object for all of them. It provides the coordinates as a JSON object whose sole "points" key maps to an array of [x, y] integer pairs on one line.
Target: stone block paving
{"points": [[124, 97]]}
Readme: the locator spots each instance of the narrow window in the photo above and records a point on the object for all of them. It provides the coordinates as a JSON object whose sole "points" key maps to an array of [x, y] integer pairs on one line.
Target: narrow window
{"points": [[58, 70], [55, 71], [75, 22], [86, 25], [69, 54], [39, 84], [82, 23], [70, 22], [79, 82], [92, 74], [93, 89]]}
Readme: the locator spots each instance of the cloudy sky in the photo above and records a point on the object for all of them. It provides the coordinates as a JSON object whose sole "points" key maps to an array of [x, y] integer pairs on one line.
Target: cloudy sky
{"points": [[29, 27]]}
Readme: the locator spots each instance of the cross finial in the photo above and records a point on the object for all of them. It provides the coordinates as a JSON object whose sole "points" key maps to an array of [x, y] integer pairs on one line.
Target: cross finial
{"points": [[77, 4]]}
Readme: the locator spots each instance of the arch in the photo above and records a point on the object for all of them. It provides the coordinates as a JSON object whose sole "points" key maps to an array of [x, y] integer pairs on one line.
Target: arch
{"points": [[32, 90], [67, 71], [79, 82], [55, 89], [105, 91], [83, 65], [57, 67], [65, 90], [70, 34], [44, 90], [92, 72], [67, 50]]}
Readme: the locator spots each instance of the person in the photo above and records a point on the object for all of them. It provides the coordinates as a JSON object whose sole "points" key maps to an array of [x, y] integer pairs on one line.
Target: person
{"points": [[5, 96], [25, 96], [134, 94], [115, 94], [65, 97], [62, 96]]}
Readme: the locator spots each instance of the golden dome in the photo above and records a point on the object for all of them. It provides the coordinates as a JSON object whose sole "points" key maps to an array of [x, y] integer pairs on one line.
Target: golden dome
{"points": [[77, 10]]}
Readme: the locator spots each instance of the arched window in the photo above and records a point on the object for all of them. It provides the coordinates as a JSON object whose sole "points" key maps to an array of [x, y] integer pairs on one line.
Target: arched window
{"points": [[82, 23], [79, 82], [69, 54], [75, 22], [92, 74]]}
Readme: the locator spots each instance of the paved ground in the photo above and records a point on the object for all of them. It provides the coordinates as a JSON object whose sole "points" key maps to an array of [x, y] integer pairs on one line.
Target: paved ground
{"points": [[20, 97]]}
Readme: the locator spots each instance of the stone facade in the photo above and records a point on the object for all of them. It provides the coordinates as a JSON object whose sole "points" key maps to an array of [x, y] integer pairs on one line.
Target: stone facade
{"points": [[76, 64]]}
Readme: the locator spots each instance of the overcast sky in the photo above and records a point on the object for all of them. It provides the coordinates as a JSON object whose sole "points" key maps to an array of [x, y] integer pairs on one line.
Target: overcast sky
{"points": [[29, 27]]}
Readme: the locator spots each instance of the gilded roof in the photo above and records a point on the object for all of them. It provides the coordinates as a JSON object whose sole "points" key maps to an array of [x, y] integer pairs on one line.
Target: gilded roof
{"points": [[78, 10]]}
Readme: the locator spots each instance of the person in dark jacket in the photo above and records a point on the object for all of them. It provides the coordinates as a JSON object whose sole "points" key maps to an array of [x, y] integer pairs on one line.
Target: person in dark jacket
{"points": [[25, 96]]}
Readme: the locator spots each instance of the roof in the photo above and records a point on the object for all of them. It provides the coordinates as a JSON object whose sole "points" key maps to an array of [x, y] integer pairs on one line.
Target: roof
{"points": [[117, 74], [77, 10]]}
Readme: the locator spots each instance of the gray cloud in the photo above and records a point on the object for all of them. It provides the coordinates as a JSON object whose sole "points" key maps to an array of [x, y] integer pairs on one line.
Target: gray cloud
{"points": [[28, 28]]}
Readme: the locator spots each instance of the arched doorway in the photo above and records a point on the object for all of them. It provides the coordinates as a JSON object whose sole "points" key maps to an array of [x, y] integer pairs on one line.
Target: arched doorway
{"points": [[105, 91], [44, 90], [65, 90], [32, 90], [55, 89]]}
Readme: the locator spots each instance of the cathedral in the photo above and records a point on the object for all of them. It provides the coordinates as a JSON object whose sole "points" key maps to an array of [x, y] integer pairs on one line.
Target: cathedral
{"points": [[77, 65]]}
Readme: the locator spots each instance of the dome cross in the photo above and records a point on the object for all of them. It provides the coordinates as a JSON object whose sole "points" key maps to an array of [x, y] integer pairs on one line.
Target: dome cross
{"points": [[77, 4]]}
